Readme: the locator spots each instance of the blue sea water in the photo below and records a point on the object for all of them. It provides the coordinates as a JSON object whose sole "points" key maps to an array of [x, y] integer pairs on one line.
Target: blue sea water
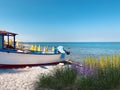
{"points": [[80, 50]]}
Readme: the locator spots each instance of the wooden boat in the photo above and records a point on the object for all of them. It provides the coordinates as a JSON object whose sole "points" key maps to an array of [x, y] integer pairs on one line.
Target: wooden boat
{"points": [[8, 59], [11, 58]]}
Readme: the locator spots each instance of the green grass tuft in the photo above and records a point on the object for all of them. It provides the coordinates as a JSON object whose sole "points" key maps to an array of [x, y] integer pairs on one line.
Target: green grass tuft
{"points": [[60, 79]]}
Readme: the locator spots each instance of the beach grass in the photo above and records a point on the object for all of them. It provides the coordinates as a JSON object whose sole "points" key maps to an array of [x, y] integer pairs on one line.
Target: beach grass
{"points": [[101, 73]]}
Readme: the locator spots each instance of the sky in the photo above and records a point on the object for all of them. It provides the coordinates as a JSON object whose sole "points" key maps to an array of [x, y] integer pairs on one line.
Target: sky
{"points": [[62, 20]]}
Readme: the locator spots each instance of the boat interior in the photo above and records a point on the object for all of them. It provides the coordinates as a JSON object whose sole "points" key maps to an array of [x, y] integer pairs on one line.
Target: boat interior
{"points": [[9, 44], [26, 52]]}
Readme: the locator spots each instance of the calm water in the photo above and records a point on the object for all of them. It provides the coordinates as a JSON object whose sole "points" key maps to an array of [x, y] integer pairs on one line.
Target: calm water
{"points": [[80, 50]]}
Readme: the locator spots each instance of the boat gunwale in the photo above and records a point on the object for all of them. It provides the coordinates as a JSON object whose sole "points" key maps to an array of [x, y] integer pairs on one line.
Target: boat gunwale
{"points": [[32, 53]]}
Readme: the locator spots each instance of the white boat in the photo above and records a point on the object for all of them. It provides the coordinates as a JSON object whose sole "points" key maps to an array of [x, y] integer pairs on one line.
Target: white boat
{"points": [[12, 58], [19, 59]]}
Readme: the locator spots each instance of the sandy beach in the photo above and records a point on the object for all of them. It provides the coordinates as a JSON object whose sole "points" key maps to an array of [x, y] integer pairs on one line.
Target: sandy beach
{"points": [[21, 78]]}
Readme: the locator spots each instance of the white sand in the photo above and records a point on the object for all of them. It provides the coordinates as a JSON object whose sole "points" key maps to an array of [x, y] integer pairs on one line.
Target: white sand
{"points": [[22, 78]]}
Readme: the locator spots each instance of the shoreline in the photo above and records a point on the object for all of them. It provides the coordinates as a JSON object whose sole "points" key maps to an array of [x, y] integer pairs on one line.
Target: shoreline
{"points": [[22, 78]]}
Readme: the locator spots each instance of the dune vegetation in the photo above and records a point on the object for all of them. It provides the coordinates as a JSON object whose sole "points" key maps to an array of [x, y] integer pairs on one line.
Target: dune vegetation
{"points": [[92, 73]]}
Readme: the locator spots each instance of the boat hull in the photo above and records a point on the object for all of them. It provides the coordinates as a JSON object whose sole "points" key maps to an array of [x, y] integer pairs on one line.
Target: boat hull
{"points": [[19, 60]]}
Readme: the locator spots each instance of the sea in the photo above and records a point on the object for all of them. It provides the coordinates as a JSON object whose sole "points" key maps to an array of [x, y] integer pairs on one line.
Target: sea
{"points": [[80, 50]]}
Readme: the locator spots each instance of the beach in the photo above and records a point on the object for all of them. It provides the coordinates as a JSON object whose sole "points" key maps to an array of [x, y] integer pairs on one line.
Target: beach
{"points": [[22, 78]]}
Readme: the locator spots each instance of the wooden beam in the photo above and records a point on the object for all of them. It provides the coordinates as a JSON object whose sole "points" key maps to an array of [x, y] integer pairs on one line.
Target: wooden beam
{"points": [[8, 40], [14, 42], [2, 41]]}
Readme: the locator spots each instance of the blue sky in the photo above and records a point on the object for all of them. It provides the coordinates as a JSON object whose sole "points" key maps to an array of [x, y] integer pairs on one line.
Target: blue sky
{"points": [[62, 20]]}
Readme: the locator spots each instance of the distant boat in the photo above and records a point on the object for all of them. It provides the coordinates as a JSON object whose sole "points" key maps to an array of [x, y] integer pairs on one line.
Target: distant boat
{"points": [[18, 58]]}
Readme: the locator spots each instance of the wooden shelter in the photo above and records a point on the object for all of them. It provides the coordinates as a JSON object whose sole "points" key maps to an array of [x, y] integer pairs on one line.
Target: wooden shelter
{"points": [[8, 35]]}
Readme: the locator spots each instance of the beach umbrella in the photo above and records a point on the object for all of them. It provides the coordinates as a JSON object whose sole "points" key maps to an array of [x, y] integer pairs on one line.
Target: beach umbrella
{"points": [[32, 48], [53, 48], [17, 43], [10, 42], [39, 48], [35, 48], [46, 49]]}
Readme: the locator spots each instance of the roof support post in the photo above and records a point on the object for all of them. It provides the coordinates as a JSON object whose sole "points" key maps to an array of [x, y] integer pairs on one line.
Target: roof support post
{"points": [[8, 40], [2, 41], [14, 41]]}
